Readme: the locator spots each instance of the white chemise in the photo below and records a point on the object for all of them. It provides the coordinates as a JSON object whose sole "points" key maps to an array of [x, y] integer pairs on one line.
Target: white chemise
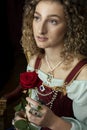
{"points": [[77, 92]]}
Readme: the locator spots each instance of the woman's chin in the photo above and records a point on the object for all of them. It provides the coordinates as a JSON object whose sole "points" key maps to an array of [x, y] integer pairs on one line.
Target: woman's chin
{"points": [[41, 46]]}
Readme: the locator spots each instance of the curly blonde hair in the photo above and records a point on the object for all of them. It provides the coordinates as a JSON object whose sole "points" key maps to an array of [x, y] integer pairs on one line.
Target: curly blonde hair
{"points": [[75, 38]]}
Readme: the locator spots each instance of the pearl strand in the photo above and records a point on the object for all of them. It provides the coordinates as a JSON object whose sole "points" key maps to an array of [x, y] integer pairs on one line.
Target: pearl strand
{"points": [[50, 104], [54, 96]]}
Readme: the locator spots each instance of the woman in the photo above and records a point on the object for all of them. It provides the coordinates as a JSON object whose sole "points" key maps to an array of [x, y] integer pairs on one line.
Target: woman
{"points": [[55, 43]]}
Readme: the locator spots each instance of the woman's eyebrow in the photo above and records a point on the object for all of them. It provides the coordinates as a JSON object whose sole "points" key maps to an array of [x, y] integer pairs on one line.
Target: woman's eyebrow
{"points": [[54, 15], [50, 15], [37, 13]]}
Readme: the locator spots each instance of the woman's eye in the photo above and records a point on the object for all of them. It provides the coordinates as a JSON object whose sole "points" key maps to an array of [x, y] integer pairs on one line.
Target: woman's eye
{"points": [[54, 22], [36, 18]]}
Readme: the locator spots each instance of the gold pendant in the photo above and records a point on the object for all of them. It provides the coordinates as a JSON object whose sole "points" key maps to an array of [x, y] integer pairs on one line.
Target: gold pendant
{"points": [[60, 89], [49, 77]]}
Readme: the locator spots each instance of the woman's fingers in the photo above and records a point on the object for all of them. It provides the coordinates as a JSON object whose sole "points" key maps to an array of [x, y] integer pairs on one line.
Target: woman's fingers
{"points": [[20, 114], [31, 101], [34, 105], [34, 110], [37, 113]]}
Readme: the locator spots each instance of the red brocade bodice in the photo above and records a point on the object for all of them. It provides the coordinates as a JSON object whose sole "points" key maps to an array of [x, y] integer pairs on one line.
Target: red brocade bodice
{"points": [[62, 105]]}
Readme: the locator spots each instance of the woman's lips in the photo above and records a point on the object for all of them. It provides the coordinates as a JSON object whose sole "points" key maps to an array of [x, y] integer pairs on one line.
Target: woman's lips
{"points": [[42, 39]]}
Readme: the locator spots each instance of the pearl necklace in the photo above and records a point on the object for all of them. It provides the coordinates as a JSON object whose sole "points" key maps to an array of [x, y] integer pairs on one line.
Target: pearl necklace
{"points": [[57, 65], [54, 93]]}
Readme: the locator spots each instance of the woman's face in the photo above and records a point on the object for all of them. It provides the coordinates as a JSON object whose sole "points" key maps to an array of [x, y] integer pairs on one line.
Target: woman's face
{"points": [[49, 26]]}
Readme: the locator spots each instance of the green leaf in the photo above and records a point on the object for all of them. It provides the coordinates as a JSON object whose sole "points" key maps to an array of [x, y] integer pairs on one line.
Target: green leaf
{"points": [[24, 102], [39, 107], [21, 124], [18, 107], [24, 125]]}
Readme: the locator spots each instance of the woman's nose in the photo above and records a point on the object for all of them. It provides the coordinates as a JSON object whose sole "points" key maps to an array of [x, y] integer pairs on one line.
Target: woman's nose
{"points": [[42, 28]]}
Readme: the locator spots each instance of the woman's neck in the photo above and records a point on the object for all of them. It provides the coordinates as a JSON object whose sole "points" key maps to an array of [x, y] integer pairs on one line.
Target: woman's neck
{"points": [[53, 54]]}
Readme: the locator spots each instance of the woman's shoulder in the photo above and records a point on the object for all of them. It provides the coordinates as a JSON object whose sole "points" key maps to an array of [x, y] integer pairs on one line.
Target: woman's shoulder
{"points": [[83, 74]]}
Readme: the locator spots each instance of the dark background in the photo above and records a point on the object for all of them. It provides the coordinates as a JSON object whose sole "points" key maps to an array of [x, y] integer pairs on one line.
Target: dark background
{"points": [[11, 22]]}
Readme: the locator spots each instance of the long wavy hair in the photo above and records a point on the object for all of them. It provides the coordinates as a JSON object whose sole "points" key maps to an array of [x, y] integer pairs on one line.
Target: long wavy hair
{"points": [[76, 35]]}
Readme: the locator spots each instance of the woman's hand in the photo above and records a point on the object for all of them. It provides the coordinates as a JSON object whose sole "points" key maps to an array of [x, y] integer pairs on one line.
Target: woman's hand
{"points": [[38, 114], [19, 115]]}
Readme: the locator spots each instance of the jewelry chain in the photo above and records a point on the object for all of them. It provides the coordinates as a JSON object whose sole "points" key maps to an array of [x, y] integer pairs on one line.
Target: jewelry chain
{"points": [[55, 93], [58, 64]]}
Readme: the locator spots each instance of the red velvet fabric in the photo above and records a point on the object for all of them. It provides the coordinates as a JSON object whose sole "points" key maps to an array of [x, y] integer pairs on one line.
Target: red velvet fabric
{"points": [[62, 105]]}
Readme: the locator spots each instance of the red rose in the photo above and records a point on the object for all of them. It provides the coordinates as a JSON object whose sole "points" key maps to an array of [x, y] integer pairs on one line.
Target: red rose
{"points": [[29, 80]]}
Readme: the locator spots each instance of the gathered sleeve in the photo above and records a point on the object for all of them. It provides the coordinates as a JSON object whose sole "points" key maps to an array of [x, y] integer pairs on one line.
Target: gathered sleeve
{"points": [[77, 92]]}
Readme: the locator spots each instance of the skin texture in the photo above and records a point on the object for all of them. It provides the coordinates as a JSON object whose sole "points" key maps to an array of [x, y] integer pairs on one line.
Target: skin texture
{"points": [[75, 32], [49, 25]]}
